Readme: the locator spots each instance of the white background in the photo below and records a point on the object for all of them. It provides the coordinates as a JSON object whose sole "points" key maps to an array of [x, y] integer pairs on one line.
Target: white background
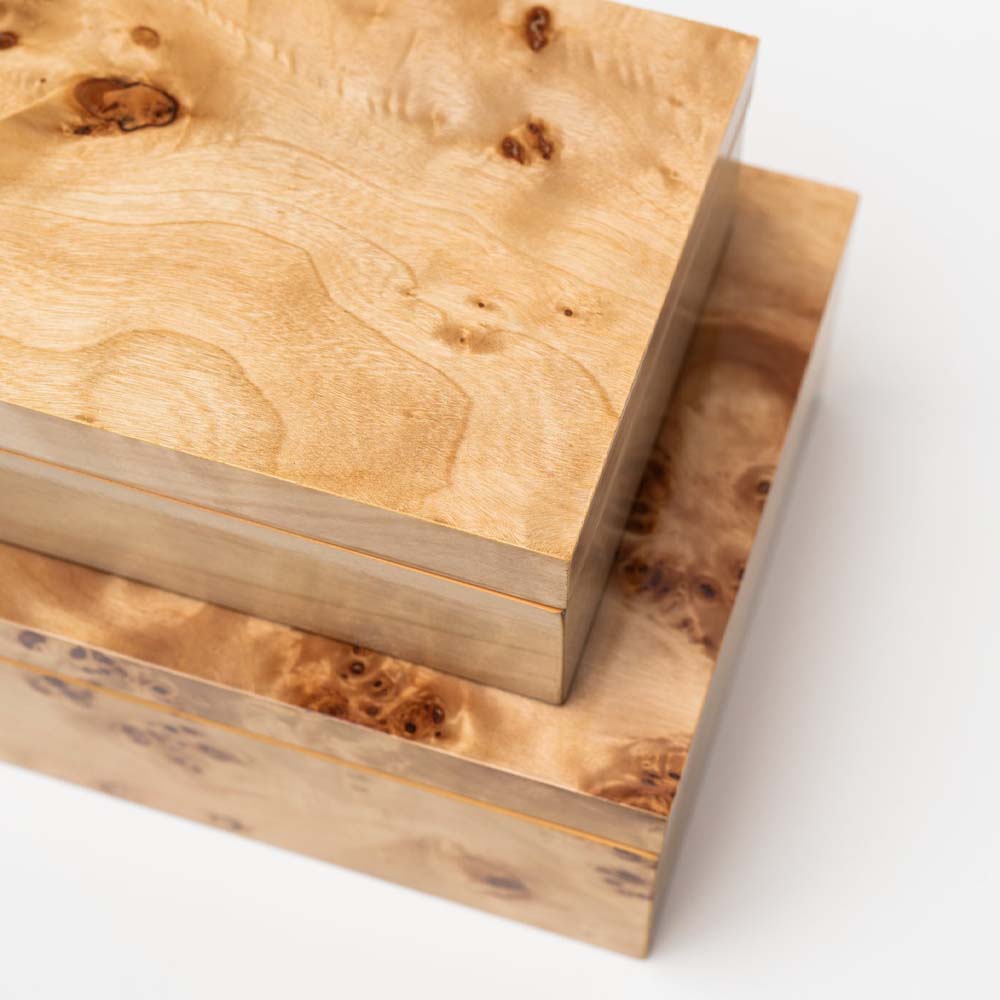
{"points": [[845, 839]]}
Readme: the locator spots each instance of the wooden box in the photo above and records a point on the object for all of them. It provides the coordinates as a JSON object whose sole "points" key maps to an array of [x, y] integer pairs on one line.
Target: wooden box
{"points": [[356, 316], [563, 817]]}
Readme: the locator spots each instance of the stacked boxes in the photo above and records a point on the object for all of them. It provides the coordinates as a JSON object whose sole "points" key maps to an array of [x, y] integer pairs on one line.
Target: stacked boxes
{"points": [[364, 325]]}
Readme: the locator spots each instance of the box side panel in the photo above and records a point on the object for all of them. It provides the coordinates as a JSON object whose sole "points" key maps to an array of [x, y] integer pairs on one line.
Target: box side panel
{"points": [[311, 804], [391, 717], [650, 396], [268, 500], [516, 645], [729, 653]]}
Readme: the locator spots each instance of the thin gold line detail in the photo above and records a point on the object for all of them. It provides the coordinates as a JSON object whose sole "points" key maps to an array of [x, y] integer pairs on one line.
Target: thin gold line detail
{"points": [[551, 608], [180, 713]]}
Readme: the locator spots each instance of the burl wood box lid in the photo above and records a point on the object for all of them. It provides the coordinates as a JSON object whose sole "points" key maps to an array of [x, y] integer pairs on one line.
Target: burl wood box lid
{"points": [[397, 279], [566, 817]]}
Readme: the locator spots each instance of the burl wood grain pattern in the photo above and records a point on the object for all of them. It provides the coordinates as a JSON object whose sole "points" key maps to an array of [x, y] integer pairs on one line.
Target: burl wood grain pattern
{"points": [[379, 272], [597, 777], [392, 829]]}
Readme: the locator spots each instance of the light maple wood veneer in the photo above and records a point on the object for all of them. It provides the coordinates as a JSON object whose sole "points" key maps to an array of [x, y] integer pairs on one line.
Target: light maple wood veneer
{"points": [[553, 815], [392, 276]]}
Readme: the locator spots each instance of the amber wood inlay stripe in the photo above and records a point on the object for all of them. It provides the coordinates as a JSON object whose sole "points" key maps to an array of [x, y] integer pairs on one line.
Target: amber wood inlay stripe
{"points": [[282, 531], [329, 758]]}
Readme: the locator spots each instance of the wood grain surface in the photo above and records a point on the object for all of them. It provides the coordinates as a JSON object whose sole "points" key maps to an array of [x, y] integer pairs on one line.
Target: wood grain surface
{"points": [[599, 774], [383, 273], [472, 632], [305, 802]]}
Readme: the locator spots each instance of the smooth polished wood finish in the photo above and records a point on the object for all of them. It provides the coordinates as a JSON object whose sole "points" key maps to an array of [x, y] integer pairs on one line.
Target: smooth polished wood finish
{"points": [[557, 816], [394, 829], [392, 276], [513, 644]]}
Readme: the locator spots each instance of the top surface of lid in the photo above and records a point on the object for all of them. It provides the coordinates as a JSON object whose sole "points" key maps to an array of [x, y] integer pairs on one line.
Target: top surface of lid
{"points": [[406, 254]]}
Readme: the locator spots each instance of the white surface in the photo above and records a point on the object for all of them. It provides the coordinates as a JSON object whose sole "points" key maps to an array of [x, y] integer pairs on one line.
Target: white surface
{"points": [[844, 841]]}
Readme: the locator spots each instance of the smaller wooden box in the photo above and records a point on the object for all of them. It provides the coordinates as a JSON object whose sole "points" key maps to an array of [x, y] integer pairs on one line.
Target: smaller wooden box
{"points": [[564, 817], [359, 317]]}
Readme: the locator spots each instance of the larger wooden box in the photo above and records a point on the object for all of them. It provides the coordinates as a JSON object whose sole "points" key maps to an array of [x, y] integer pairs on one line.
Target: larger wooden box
{"points": [[358, 316], [564, 817]]}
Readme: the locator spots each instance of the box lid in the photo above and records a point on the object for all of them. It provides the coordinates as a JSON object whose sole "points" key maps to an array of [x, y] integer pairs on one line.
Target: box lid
{"points": [[382, 274]]}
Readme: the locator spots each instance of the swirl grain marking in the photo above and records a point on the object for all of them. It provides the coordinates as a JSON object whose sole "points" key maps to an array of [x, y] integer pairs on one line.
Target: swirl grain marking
{"points": [[186, 747], [644, 774], [129, 104], [470, 221], [537, 25], [50, 686], [365, 688], [146, 37], [146, 378]]}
